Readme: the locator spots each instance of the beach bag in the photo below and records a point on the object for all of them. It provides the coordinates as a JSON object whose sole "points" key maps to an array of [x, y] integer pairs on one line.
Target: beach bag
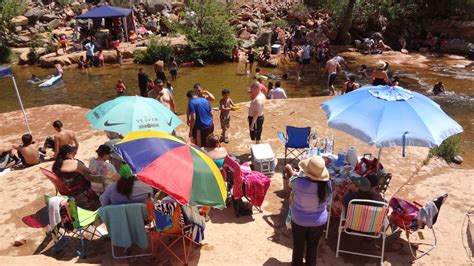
{"points": [[241, 208], [367, 166]]}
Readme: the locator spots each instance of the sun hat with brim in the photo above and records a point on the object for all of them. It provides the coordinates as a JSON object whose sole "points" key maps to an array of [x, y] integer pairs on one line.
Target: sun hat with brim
{"points": [[362, 182], [314, 168], [381, 65]]}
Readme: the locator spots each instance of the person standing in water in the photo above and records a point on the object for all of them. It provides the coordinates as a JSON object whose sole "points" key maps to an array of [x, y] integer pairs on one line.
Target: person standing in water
{"points": [[332, 69], [250, 60], [173, 67], [143, 82], [159, 70], [438, 88]]}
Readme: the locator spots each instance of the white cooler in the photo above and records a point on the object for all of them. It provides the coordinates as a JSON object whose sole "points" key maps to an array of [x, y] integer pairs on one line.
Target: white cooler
{"points": [[263, 158]]}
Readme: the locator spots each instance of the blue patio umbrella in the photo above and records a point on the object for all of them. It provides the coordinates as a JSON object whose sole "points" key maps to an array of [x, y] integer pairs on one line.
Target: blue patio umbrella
{"points": [[125, 114], [388, 116]]}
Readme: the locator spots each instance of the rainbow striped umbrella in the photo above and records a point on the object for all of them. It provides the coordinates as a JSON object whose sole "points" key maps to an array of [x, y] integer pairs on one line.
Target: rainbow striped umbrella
{"points": [[169, 164]]}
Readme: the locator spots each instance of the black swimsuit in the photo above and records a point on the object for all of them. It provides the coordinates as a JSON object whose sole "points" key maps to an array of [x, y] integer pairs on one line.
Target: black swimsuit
{"points": [[378, 81], [251, 57], [351, 88]]}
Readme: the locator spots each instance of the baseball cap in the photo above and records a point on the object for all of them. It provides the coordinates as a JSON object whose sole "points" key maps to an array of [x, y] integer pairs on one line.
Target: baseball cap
{"points": [[126, 171]]}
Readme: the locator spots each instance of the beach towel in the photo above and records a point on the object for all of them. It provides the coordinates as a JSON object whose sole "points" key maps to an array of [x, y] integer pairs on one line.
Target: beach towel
{"points": [[427, 214], [125, 224], [54, 207], [256, 186]]}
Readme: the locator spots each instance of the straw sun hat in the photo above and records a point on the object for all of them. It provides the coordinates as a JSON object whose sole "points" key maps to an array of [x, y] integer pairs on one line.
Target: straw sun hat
{"points": [[314, 168], [381, 65]]}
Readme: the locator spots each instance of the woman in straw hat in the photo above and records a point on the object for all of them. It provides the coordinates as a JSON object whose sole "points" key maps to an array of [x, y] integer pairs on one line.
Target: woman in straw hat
{"points": [[380, 76], [311, 194]]}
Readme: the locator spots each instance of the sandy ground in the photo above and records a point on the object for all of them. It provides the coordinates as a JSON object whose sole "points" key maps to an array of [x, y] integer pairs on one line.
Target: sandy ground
{"points": [[261, 239]]}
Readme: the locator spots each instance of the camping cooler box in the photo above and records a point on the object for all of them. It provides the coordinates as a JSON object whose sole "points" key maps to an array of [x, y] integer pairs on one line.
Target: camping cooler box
{"points": [[276, 48], [263, 158]]}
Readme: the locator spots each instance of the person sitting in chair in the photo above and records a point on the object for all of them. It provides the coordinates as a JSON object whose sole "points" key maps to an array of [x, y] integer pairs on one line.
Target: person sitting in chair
{"points": [[70, 170], [101, 167], [215, 151], [126, 190], [362, 189]]}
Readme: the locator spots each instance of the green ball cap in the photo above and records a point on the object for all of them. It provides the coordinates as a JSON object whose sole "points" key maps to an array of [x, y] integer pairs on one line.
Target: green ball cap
{"points": [[126, 172]]}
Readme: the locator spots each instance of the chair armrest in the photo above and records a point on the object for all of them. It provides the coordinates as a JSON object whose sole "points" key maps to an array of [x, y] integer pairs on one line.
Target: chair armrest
{"points": [[282, 137]]}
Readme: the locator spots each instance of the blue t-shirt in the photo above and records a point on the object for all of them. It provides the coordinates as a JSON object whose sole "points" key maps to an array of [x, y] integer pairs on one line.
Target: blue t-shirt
{"points": [[90, 49], [306, 209], [202, 109]]}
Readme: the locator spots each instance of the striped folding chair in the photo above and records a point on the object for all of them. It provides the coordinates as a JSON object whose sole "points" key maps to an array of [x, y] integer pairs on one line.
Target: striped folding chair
{"points": [[364, 218]]}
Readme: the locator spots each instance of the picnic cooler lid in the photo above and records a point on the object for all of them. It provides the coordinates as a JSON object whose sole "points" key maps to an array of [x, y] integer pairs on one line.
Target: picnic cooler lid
{"points": [[262, 152]]}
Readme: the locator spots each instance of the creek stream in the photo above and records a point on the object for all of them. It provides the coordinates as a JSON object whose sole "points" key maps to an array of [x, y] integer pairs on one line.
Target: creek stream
{"points": [[90, 87]]}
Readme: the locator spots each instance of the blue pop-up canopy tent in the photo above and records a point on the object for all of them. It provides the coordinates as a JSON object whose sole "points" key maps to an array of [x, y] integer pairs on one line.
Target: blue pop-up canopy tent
{"points": [[6, 72], [107, 12]]}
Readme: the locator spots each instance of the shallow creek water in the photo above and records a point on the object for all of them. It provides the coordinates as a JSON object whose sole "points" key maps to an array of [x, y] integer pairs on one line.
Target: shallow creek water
{"points": [[88, 88]]}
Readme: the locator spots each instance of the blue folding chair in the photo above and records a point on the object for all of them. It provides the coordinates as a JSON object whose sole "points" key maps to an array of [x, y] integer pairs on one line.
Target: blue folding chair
{"points": [[296, 140]]}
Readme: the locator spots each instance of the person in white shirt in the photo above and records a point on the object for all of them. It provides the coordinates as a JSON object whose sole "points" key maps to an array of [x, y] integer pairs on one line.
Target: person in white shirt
{"points": [[278, 92]]}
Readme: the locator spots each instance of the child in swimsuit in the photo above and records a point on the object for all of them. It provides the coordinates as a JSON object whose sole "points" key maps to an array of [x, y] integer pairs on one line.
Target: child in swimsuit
{"points": [[120, 88], [225, 105], [101, 58]]}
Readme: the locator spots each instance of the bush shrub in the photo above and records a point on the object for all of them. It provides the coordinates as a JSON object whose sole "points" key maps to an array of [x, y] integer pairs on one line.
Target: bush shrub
{"points": [[33, 56], [280, 23], [155, 50], [5, 54], [448, 149]]}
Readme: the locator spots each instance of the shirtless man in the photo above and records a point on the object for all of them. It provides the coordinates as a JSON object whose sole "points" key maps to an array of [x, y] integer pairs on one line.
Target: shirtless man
{"points": [[255, 117], [162, 95], [29, 151], [332, 69], [159, 67], [63, 137]]}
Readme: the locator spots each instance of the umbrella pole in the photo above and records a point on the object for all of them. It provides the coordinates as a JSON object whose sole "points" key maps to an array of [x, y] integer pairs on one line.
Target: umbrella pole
{"points": [[21, 104], [378, 159]]}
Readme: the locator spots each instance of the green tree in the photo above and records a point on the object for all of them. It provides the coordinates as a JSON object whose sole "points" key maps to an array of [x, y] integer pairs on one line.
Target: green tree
{"points": [[208, 30], [8, 9], [345, 22]]}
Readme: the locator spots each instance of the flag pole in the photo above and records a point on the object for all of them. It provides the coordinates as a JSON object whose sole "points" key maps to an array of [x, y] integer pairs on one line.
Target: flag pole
{"points": [[21, 104]]}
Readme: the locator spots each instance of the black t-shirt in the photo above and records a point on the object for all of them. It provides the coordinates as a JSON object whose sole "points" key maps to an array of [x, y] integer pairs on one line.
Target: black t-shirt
{"points": [[142, 80]]}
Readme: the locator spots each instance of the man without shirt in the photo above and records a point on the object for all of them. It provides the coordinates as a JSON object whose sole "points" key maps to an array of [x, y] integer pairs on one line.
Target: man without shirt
{"points": [[28, 151], [162, 95], [159, 67], [332, 68], [63, 137], [255, 117]]}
